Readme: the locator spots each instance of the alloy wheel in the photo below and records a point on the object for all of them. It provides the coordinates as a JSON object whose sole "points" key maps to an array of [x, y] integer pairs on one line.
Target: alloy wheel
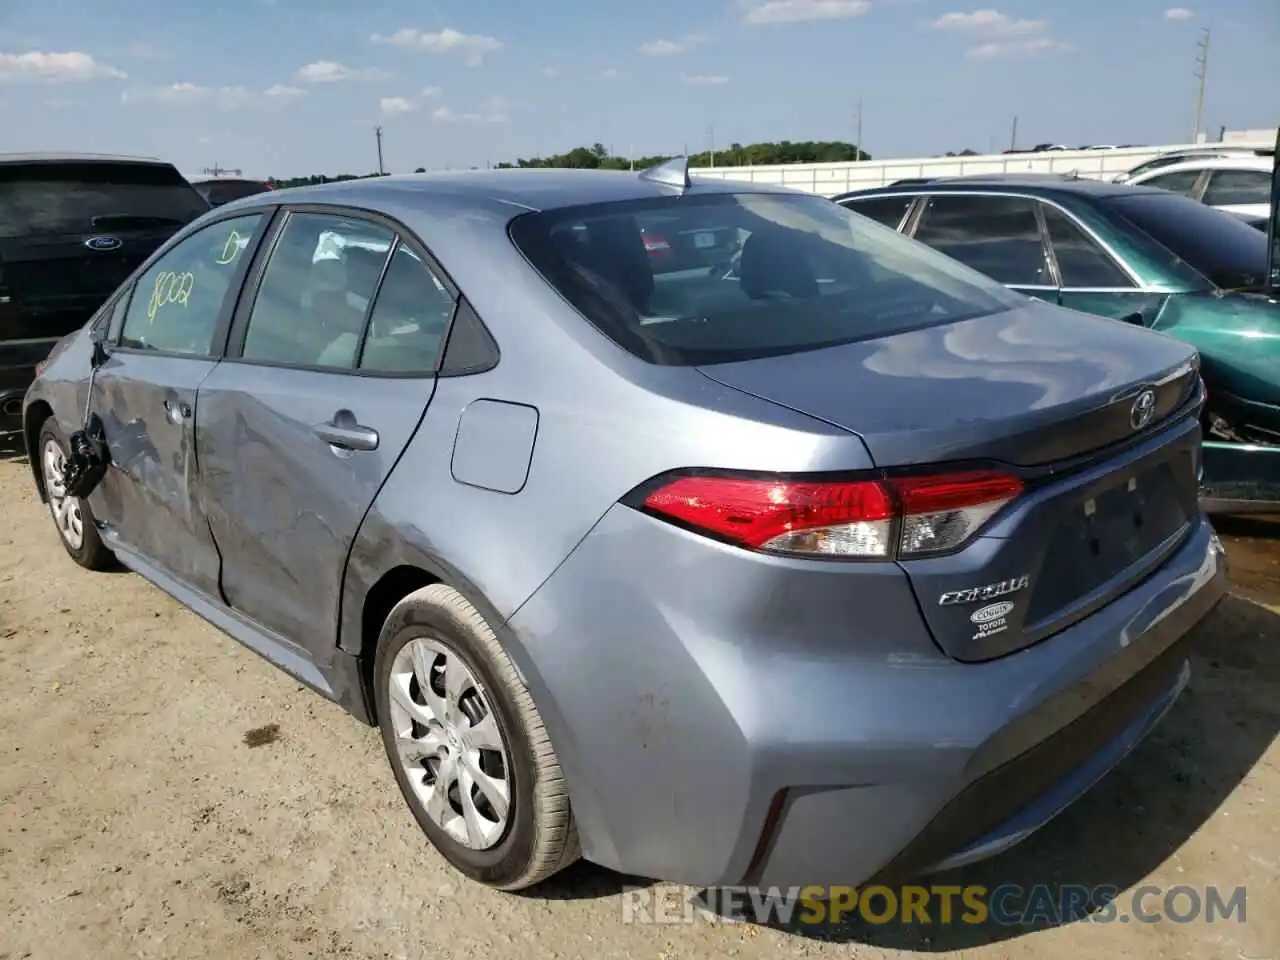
{"points": [[67, 516], [449, 745]]}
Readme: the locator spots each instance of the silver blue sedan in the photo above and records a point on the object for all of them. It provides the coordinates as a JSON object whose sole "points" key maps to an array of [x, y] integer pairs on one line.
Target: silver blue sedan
{"points": [[783, 551]]}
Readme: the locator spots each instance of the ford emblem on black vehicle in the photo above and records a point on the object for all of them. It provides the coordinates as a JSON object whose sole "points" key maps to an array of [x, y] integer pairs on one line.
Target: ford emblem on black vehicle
{"points": [[102, 243]]}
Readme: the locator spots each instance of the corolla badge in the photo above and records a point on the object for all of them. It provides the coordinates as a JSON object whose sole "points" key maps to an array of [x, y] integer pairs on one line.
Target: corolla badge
{"points": [[1143, 409], [102, 243]]}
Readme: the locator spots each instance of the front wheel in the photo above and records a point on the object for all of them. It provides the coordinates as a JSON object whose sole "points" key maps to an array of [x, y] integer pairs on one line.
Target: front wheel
{"points": [[468, 747], [72, 516]]}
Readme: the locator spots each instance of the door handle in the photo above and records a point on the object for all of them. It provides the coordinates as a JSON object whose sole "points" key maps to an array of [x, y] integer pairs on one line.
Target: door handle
{"points": [[345, 433], [176, 411]]}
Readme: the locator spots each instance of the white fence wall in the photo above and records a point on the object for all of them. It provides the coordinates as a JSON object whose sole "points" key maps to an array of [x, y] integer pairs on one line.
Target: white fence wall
{"points": [[829, 179]]}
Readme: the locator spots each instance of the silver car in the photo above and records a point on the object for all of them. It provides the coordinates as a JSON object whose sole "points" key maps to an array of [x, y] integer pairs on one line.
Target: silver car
{"points": [[845, 562]]}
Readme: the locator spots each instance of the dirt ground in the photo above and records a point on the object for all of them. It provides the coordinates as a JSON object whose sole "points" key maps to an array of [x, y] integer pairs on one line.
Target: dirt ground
{"points": [[165, 793]]}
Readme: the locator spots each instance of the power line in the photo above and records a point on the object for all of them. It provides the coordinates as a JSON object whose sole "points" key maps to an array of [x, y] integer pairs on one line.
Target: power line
{"points": [[1201, 74]]}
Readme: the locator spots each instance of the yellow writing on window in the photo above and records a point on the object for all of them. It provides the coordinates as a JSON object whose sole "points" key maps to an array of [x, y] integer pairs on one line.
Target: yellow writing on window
{"points": [[231, 249], [169, 288]]}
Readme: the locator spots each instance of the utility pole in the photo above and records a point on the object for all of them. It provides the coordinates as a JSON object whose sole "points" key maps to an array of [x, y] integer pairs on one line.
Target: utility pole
{"points": [[1013, 137], [1202, 72], [711, 143], [858, 128], [377, 132]]}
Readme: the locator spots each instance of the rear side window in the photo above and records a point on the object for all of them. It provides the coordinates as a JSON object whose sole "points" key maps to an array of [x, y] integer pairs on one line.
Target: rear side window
{"points": [[999, 236], [38, 199], [1183, 182], [1229, 187], [1081, 261], [886, 210], [410, 316], [315, 292], [805, 273]]}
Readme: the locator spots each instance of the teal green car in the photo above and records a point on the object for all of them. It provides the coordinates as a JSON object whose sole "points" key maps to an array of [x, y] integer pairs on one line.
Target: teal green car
{"points": [[1140, 255]]}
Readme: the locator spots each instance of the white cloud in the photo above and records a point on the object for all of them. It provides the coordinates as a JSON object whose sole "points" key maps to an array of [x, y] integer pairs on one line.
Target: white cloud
{"points": [[707, 80], [803, 11], [395, 106], [329, 71], [224, 98], [493, 110], [1179, 14], [670, 48], [551, 71], [281, 92], [1017, 49], [988, 23], [430, 92], [610, 74], [997, 36], [54, 67], [472, 46]]}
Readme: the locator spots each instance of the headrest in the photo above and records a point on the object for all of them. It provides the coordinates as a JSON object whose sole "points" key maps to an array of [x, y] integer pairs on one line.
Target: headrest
{"points": [[772, 263], [617, 241]]}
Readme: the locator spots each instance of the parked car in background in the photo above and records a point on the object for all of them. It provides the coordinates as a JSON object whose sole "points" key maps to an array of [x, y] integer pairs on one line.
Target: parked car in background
{"points": [[220, 190], [854, 563], [1135, 253], [72, 228], [1236, 185], [1209, 151]]}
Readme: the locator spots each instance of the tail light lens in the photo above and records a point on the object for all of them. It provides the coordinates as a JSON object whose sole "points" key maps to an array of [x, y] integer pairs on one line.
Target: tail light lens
{"points": [[860, 519]]}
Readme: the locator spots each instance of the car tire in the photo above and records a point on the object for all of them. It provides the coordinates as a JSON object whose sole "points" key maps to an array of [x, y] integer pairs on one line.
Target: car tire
{"points": [[437, 632], [72, 516]]}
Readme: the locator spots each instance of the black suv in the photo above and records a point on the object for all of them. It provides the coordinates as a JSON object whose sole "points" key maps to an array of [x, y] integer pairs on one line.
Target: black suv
{"points": [[72, 229]]}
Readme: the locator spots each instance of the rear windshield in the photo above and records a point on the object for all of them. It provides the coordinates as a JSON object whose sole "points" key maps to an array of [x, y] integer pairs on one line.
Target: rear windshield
{"points": [[1220, 247], [724, 277], [224, 191], [77, 198]]}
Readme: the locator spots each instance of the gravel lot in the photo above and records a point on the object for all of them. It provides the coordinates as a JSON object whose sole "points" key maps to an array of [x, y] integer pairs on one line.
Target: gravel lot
{"points": [[165, 793]]}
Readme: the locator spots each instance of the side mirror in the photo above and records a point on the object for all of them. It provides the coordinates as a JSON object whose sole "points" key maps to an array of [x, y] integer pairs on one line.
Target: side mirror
{"points": [[98, 337]]}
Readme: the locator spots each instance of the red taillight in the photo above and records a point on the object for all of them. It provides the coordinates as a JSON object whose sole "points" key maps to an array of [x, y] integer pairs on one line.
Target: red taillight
{"points": [[867, 519]]}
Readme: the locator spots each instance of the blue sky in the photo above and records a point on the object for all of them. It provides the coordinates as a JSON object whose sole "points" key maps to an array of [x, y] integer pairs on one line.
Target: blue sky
{"points": [[287, 87]]}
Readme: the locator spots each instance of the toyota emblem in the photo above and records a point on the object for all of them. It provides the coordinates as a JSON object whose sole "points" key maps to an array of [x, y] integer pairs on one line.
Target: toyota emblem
{"points": [[1143, 409]]}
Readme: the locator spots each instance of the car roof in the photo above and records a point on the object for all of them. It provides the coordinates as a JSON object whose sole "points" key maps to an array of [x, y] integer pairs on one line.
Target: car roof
{"points": [[1038, 184], [1213, 163], [80, 158], [533, 189]]}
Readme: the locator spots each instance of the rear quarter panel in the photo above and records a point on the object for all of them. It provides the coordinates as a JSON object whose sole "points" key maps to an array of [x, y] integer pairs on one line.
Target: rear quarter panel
{"points": [[1238, 336]]}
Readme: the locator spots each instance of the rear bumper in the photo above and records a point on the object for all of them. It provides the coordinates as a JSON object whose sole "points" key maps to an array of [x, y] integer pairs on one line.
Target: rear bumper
{"points": [[799, 743]]}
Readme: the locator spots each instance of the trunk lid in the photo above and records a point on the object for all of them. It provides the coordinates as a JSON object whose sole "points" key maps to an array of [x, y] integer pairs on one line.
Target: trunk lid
{"points": [[1028, 386], [1052, 396]]}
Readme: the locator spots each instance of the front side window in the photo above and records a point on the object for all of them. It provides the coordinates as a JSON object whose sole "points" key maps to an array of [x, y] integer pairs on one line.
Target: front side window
{"points": [[807, 274], [176, 304], [1231, 187], [310, 307], [1000, 236]]}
